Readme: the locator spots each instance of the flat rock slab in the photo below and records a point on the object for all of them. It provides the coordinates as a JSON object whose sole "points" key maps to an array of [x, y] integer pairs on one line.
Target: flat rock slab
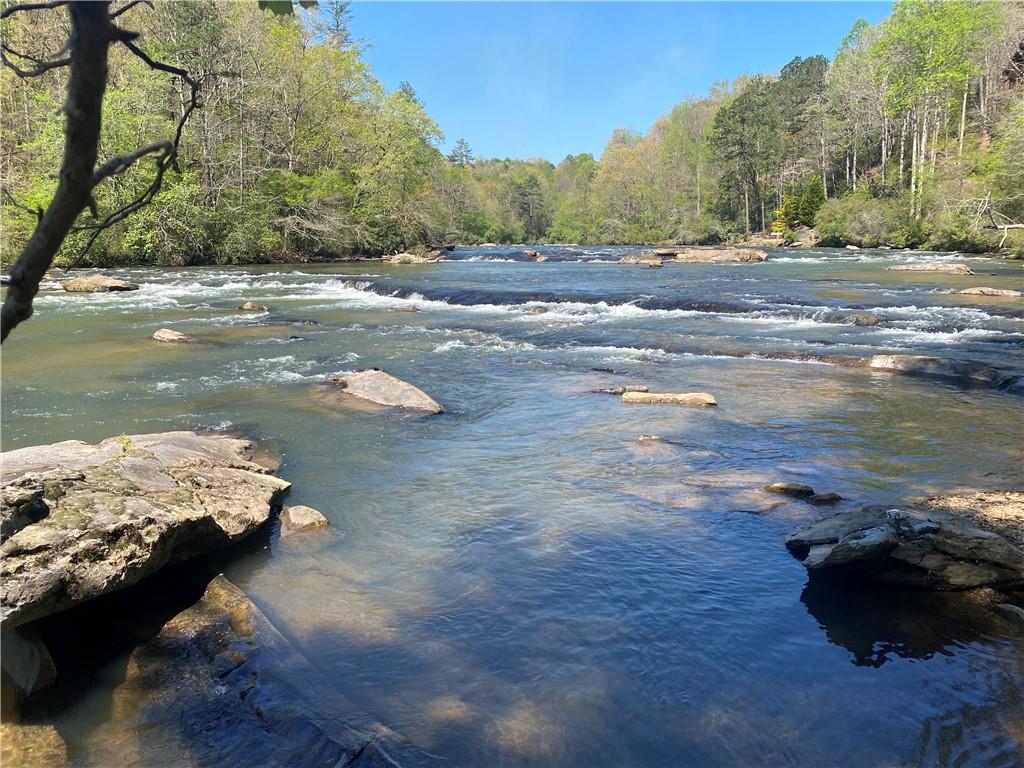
{"points": [[910, 547], [96, 284], [83, 520], [669, 398], [219, 686], [642, 259], [384, 389], [963, 372], [983, 291], [950, 268], [719, 255], [999, 511]]}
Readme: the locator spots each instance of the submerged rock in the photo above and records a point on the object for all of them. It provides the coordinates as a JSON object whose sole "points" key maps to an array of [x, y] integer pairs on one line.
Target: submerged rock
{"points": [[865, 321], [951, 268], [220, 685], [962, 372], [909, 547], [382, 388], [825, 498], [120, 510], [300, 519], [669, 398], [252, 306], [167, 336], [982, 291], [96, 284], [27, 666], [621, 390]]}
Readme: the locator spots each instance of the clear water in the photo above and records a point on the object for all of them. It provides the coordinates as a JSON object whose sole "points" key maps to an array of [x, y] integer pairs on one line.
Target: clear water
{"points": [[518, 582]]}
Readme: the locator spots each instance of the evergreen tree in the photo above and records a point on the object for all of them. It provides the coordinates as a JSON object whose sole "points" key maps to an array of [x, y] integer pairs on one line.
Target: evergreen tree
{"points": [[812, 199], [461, 154]]}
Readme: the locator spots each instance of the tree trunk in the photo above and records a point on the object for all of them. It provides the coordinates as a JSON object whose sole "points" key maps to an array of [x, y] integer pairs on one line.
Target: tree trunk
{"points": [[746, 205], [963, 120], [92, 31], [903, 143], [913, 171], [824, 169]]}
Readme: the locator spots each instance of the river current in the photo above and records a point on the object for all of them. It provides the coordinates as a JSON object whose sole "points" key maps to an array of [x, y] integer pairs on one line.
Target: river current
{"points": [[519, 581]]}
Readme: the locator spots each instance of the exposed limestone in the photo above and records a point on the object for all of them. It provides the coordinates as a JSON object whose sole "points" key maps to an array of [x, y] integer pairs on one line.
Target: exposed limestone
{"points": [[96, 284], [382, 388], [909, 547], [719, 255], [669, 398], [982, 291], [167, 336], [102, 517], [300, 519], [642, 259], [948, 267]]}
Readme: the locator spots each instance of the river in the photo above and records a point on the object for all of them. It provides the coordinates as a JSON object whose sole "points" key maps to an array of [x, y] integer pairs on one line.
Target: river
{"points": [[520, 582]]}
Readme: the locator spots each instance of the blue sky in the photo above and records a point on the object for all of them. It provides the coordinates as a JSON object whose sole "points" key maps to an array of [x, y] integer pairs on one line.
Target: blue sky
{"points": [[549, 79]]}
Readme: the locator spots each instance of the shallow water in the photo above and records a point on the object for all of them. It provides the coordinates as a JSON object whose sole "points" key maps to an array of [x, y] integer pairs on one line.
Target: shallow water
{"points": [[518, 582]]}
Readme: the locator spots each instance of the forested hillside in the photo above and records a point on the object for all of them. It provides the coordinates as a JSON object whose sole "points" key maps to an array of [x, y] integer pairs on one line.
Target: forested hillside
{"points": [[913, 135]]}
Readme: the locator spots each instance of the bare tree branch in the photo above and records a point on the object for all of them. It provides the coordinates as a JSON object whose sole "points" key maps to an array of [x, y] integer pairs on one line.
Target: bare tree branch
{"points": [[128, 7], [44, 66], [13, 9], [121, 163], [38, 212]]}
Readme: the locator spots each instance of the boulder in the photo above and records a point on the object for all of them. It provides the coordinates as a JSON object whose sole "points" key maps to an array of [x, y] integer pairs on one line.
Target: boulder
{"points": [[796, 490], [221, 685], [650, 440], [909, 547], [719, 255], [382, 388], [825, 498], [951, 268], [405, 258], [621, 390], [538, 310], [982, 291], [852, 248], [643, 259], [252, 306], [101, 517], [541, 258], [669, 398], [96, 284], [666, 252], [167, 336], [300, 519], [962, 372]]}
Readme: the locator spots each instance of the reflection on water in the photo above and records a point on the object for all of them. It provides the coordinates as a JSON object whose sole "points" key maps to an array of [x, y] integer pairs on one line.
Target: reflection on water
{"points": [[519, 581]]}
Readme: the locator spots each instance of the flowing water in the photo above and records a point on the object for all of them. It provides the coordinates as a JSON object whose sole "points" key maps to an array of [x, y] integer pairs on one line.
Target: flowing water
{"points": [[520, 582]]}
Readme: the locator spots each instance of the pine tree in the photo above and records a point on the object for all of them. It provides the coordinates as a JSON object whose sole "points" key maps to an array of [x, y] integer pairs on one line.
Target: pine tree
{"points": [[461, 153], [812, 199]]}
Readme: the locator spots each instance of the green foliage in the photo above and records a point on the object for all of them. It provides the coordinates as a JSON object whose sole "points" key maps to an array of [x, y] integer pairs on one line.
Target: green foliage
{"points": [[861, 220], [811, 200]]}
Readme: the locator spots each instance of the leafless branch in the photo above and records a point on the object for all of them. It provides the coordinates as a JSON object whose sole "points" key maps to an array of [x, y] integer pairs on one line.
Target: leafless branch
{"points": [[13, 9], [121, 163], [129, 6], [11, 200], [43, 66]]}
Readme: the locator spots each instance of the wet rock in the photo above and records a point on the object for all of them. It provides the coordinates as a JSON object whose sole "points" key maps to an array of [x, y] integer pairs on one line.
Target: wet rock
{"points": [[650, 440], [643, 259], [825, 498], [909, 547], [852, 248], [796, 490], [621, 390], [96, 284], [122, 509], [300, 519], [26, 664], [669, 398], [962, 372], [982, 291], [413, 258], [220, 685], [541, 258], [1013, 611], [252, 306], [538, 310], [167, 336], [667, 252], [382, 388], [411, 308], [865, 321], [720, 255], [951, 268]]}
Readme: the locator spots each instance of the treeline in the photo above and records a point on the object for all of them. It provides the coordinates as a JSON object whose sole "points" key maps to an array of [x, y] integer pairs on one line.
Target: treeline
{"points": [[912, 136]]}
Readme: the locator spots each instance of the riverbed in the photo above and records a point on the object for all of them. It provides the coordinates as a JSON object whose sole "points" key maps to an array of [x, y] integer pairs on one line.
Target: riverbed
{"points": [[519, 581]]}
